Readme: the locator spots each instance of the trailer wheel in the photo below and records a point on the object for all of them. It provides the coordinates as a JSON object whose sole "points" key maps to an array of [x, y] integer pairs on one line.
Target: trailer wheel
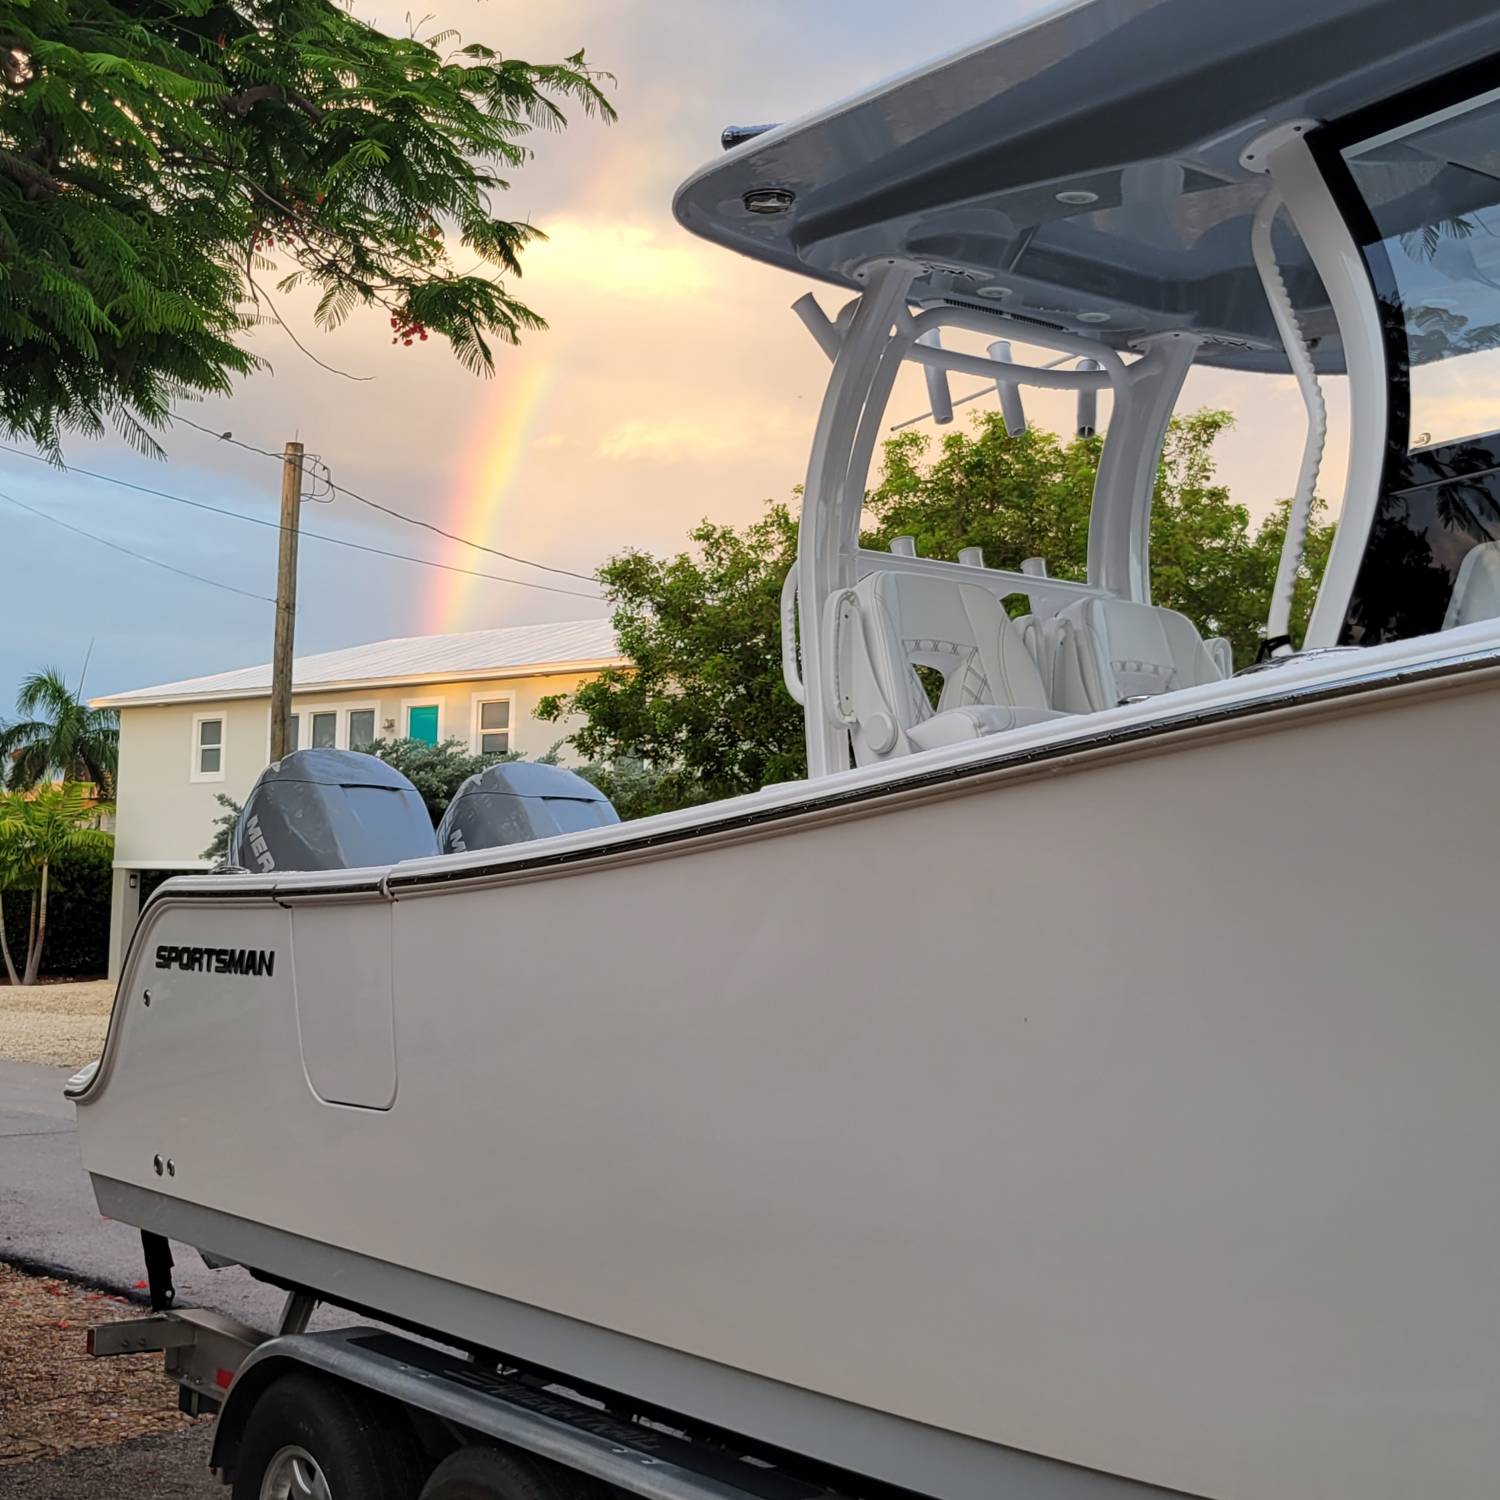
{"points": [[494, 1474], [308, 1438]]}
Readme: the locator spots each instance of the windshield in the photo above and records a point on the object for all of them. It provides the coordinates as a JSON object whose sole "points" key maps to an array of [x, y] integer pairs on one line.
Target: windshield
{"points": [[1431, 192]]}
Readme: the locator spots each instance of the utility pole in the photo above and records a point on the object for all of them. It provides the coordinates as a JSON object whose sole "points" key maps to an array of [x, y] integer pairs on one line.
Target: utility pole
{"points": [[286, 601]]}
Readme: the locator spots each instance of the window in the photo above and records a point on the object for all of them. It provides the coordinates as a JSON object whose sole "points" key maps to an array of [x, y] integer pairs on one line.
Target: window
{"points": [[491, 734], [325, 730], [208, 747], [292, 728], [1431, 189], [361, 728], [423, 722]]}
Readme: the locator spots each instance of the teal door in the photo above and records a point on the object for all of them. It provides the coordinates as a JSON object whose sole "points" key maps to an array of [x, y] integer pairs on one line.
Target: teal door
{"points": [[421, 723]]}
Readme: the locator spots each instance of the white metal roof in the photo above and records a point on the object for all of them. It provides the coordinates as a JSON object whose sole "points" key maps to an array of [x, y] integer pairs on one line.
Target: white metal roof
{"points": [[511, 651]]}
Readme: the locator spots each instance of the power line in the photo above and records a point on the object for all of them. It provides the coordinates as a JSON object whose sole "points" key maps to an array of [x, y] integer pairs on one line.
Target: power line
{"points": [[317, 536], [155, 562], [390, 510]]}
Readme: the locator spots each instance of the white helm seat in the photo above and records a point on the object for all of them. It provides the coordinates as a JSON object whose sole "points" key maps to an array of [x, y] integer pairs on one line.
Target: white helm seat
{"points": [[1108, 651], [1476, 590], [892, 623]]}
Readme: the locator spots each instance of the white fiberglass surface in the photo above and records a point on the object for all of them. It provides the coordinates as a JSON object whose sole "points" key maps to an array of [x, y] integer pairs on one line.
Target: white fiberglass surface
{"points": [[1310, 673]]}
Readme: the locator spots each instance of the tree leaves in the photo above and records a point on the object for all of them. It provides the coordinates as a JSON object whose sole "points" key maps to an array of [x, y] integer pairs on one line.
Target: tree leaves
{"points": [[58, 735], [152, 157], [703, 712]]}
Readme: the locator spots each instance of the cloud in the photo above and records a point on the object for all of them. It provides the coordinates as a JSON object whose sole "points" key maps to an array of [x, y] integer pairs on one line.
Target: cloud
{"points": [[638, 260], [692, 437]]}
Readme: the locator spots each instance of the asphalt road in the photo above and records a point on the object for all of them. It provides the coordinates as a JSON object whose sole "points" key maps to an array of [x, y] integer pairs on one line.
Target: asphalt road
{"points": [[170, 1467], [48, 1219]]}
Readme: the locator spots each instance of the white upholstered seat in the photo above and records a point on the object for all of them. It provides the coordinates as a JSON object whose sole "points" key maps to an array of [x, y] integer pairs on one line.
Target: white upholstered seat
{"points": [[1105, 651], [990, 680], [1476, 590]]}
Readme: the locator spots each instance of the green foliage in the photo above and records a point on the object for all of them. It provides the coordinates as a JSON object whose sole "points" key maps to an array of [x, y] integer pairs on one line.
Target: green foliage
{"points": [[703, 700], [1030, 497], [58, 734], [218, 848], [154, 157], [703, 712], [38, 830], [437, 771], [637, 790], [78, 926]]}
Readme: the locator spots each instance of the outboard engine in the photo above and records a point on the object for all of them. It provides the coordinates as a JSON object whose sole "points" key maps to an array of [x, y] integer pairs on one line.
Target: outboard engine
{"points": [[330, 810], [516, 801]]}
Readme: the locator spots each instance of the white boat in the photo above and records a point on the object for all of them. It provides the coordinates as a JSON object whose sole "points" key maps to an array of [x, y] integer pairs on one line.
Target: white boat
{"points": [[1083, 1086]]}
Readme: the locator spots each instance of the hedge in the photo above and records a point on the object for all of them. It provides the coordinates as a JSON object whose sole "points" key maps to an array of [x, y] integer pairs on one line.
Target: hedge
{"points": [[77, 918]]}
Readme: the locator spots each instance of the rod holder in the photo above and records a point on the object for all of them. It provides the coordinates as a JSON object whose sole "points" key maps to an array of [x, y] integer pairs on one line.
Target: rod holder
{"points": [[939, 396], [819, 324], [1011, 406], [1088, 403]]}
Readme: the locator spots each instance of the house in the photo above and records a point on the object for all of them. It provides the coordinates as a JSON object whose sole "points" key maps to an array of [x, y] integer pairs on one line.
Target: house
{"points": [[183, 743]]}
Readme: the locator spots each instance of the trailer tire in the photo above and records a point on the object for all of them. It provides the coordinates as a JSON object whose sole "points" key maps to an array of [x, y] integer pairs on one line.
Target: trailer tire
{"points": [[483, 1473], [302, 1420]]}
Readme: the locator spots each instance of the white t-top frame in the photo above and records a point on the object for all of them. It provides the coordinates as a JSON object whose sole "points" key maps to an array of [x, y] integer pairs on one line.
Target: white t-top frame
{"points": [[868, 343]]}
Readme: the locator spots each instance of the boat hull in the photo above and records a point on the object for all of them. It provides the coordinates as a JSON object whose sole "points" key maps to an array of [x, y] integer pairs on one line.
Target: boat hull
{"points": [[1134, 1109]]}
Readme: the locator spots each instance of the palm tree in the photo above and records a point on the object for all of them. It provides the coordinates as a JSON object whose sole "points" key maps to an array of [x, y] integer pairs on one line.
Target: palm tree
{"points": [[59, 735], [54, 821], [15, 868]]}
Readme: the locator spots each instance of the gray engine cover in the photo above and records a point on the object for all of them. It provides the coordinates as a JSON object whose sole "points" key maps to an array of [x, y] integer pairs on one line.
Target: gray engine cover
{"points": [[330, 810], [516, 801]]}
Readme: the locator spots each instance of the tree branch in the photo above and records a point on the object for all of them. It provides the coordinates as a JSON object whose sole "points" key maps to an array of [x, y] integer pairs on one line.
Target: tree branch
{"points": [[35, 182], [332, 369], [242, 103]]}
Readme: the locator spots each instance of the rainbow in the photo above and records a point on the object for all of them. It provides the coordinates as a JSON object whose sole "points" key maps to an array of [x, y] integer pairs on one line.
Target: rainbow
{"points": [[489, 472]]}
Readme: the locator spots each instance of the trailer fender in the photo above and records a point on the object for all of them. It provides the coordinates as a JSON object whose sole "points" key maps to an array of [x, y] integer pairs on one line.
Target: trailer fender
{"points": [[473, 1398]]}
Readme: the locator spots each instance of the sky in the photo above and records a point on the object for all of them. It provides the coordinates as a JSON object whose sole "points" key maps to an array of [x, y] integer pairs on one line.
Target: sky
{"points": [[672, 384]]}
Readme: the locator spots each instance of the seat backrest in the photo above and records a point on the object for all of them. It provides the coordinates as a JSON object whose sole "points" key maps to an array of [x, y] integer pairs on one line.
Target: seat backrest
{"points": [[1109, 650], [1476, 590], [958, 629]]}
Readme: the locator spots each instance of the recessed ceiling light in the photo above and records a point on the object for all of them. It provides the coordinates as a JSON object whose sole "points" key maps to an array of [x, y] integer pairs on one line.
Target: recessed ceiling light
{"points": [[994, 292], [1077, 197], [769, 200], [1093, 317]]}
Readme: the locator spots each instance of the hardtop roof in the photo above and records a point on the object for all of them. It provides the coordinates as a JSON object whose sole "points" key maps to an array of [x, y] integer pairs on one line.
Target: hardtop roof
{"points": [[1144, 104]]}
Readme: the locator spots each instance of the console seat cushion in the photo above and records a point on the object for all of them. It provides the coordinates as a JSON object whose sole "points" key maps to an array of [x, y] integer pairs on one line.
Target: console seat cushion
{"points": [[1109, 650], [956, 725], [913, 626], [960, 630]]}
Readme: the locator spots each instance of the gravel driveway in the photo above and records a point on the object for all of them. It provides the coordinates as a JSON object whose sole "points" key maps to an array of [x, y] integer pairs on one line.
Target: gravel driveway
{"points": [[61, 1024]]}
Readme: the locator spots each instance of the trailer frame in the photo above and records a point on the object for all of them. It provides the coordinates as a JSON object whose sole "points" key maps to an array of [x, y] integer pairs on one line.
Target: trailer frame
{"points": [[455, 1399]]}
